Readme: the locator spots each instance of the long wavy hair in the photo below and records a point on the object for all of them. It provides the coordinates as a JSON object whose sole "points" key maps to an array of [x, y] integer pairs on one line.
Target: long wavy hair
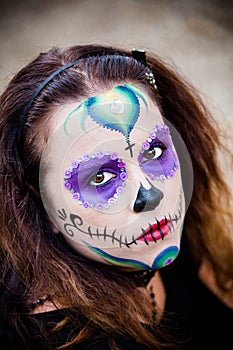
{"points": [[35, 261]]}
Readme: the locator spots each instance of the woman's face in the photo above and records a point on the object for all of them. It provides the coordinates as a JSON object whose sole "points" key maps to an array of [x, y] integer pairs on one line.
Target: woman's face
{"points": [[110, 179]]}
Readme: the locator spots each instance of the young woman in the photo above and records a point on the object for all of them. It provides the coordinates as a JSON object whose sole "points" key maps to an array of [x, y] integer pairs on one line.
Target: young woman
{"points": [[107, 159]]}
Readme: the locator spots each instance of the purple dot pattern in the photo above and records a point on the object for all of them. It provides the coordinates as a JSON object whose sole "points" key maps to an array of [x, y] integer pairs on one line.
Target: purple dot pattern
{"points": [[164, 166], [78, 180]]}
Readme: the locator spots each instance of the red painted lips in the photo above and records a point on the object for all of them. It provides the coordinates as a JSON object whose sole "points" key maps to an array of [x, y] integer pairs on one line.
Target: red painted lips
{"points": [[156, 231]]}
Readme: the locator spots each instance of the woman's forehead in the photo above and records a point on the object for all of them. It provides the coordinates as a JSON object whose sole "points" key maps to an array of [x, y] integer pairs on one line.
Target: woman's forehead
{"points": [[119, 108]]}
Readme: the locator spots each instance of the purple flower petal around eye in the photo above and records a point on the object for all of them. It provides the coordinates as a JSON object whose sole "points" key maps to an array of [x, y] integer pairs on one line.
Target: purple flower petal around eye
{"points": [[76, 195], [68, 174], [161, 166], [79, 180], [67, 185], [123, 176], [146, 145], [99, 154], [165, 165], [74, 164], [121, 164], [114, 156]]}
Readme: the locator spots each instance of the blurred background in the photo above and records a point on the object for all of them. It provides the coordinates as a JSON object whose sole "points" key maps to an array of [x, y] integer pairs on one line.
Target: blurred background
{"points": [[195, 35]]}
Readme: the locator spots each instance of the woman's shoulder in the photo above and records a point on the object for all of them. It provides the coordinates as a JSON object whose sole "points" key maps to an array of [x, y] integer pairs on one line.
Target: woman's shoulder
{"points": [[194, 303]]}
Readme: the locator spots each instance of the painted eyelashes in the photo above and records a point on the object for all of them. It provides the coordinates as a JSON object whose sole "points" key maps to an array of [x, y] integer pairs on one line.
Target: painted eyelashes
{"points": [[157, 157], [96, 181]]}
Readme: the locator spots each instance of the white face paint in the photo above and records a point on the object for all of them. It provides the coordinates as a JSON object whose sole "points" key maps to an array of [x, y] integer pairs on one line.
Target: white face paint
{"points": [[110, 180]]}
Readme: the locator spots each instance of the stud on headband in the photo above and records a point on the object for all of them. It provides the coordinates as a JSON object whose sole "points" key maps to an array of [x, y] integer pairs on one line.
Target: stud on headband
{"points": [[140, 56]]}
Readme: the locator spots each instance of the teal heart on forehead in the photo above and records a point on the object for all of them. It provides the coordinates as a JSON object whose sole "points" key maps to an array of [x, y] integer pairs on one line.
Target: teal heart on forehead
{"points": [[117, 109]]}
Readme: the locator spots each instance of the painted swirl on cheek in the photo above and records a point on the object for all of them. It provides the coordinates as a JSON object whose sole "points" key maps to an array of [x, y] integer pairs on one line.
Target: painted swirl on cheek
{"points": [[96, 180], [113, 260], [164, 258]]}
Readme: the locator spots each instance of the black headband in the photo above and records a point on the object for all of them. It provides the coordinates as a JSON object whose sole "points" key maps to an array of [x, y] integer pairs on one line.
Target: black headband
{"points": [[38, 90], [139, 55]]}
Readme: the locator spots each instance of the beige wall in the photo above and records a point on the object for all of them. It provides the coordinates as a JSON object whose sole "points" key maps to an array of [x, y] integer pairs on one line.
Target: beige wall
{"points": [[196, 35]]}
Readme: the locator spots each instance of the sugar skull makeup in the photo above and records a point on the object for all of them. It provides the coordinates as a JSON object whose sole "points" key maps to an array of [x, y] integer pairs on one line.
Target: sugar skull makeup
{"points": [[118, 109], [96, 180], [110, 179], [157, 157]]}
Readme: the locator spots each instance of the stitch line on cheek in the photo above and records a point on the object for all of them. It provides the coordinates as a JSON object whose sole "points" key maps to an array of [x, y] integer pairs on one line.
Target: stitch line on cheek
{"points": [[75, 223]]}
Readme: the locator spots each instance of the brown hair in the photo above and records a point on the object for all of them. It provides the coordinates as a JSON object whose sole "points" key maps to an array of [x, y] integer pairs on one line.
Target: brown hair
{"points": [[40, 261]]}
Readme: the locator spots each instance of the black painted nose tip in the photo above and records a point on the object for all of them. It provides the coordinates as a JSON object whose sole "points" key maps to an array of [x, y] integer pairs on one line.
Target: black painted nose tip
{"points": [[147, 199]]}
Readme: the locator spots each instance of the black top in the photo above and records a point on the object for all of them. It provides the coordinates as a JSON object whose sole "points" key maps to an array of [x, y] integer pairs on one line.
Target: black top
{"points": [[192, 310], [9, 340]]}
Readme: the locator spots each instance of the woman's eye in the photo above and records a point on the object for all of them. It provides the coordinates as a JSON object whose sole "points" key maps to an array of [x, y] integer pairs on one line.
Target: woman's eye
{"points": [[101, 178], [152, 153]]}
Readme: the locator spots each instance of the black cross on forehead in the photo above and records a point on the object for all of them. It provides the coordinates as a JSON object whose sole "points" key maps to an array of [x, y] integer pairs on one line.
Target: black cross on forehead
{"points": [[129, 147]]}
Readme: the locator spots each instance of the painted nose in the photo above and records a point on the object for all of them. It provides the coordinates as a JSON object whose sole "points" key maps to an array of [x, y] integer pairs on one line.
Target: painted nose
{"points": [[147, 199]]}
